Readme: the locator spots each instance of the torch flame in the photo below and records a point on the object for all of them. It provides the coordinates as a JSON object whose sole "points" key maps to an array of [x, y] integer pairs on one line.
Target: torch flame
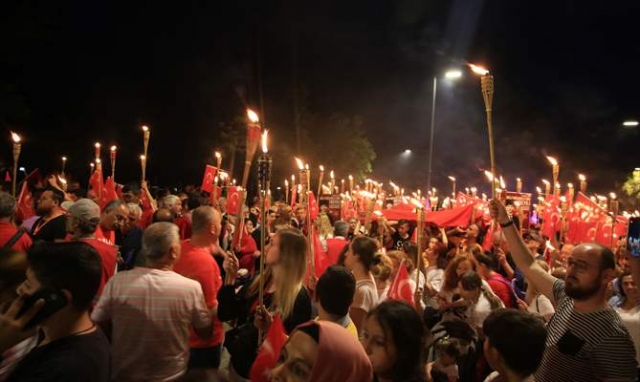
{"points": [[145, 128], [416, 202], [570, 185], [218, 155], [552, 160], [16, 138], [264, 141], [142, 157], [64, 159], [581, 177], [331, 175], [253, 116], [113, 148], [518, 180], [286, 183], [539, 190], [97, 145], [350, 177], [489, 175], [321, 168], [546, 182], [478, 69], [300, 164], [98, 161], [451, 178], [92, 165], [612, 195], [502, 183]]}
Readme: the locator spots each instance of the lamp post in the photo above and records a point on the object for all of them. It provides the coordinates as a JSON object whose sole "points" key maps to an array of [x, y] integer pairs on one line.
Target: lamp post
{"points": [[451, 75]]}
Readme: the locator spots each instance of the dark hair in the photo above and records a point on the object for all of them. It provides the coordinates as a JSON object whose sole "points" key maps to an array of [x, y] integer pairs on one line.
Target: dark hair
{"points": [[79, 193], [112, 205], [450, 275], [450, 347], [470, 281], [7, 205], [402, 222], [519, 337], [56, 195], [341, 228], [335, 290], [403, 325], [366, 249], [73, 266], [193, 202], [342, 255], [411, 249], [441, 250], [620, 288], [163, 215], [133, 188], [485, 259]]}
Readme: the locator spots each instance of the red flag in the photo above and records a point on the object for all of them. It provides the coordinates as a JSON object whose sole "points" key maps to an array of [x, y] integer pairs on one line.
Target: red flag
{"points": [[97, 182], [25, 203], [551, 216], [458, 216], [7, 177], [144, 200], [487, 244], [108, 192], [208, 178], [463, 199], [234, 200], [320, 257], [400, 288], [313, 207], [269, 352]]}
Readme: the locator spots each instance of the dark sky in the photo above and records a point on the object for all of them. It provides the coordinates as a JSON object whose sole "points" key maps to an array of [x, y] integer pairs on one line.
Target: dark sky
{"points": [[566, 74]]}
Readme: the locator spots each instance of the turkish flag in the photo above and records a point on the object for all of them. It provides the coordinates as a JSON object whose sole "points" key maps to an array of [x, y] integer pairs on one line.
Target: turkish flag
{"points": [[551, 216], [320, 257], [463, 199], [459, 216], [25, 203], [234, 200], [208, 178], [109, 192], [604, 231], [487, 244], [400, 288], [586, 232], [269, 351], [313, 207]]}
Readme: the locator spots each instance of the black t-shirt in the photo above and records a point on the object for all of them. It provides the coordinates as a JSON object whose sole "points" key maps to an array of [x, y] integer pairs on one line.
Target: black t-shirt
{"points": [[54, 229], [78, 358], [398, 241]]}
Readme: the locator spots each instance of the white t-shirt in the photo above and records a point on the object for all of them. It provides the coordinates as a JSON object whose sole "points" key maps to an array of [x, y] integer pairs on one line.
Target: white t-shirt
{"points": [[542, 306], [631, 321], [151, 311], [449, 371], [366, 295], [479, 311], [435, 277]]}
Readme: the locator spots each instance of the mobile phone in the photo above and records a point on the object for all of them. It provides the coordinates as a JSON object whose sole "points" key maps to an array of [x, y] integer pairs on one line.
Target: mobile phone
{"points": [[54, 300], [633, 237]]}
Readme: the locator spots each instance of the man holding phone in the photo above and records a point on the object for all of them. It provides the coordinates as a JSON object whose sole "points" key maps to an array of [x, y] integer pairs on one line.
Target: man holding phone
{"points": [[62, 280], [586, 340]]}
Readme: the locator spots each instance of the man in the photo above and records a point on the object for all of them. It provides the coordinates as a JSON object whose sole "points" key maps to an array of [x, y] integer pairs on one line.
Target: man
{"points": [[533, 242], [174, 204], [353, 227], [471, 240], [586, 339], [514, 344], [197, 263], [10, 236], [71, 348], [148, 311], [129, 238], [114, 215], [336, 244], [51, 225], [82, 221], [401, 235], [334, 295]]}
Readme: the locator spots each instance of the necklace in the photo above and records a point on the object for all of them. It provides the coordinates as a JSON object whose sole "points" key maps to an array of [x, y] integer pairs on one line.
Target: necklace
{"points": [[93, 325]]}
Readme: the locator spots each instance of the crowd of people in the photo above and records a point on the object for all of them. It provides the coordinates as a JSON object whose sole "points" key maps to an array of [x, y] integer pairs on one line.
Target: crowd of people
{"points": [[161, 286]]}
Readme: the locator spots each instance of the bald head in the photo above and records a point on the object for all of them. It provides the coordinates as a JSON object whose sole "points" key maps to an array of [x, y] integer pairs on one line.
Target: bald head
{"points": [[607, 258], [205, 219]]}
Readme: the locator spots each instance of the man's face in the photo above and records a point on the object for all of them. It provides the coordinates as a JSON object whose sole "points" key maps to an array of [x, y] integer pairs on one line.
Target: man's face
{"points": [[566, 251], [352, 225], [473, 231], [130, 197], [115, 218], [176, 208], [301, 214], [271, 217], [403, 229], [46, 203], [91, 194], [584, 277]]}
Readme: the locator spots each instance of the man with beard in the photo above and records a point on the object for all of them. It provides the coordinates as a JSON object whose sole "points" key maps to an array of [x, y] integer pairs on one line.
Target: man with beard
{"points": [[51, 226], [586, 339]]}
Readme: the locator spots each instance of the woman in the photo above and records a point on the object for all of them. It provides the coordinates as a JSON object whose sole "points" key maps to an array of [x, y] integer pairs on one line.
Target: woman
{"points": [[456, 268], [382, 274], [436, 259], [393, 338], [629, 310], [286, 259], [360, 259], [479, 297], [535, 302], [322, 351]]}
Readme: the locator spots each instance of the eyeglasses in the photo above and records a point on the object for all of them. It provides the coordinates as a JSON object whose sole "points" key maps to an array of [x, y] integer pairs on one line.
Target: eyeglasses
{"points": [[580, 266]]}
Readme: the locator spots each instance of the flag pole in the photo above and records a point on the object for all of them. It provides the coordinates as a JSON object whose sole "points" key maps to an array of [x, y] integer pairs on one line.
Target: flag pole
{"points": [[264, 177]]}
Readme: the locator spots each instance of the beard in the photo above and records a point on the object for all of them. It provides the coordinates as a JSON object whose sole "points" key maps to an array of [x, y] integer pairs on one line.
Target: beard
{"points": [[42, 211], [580, 292]]}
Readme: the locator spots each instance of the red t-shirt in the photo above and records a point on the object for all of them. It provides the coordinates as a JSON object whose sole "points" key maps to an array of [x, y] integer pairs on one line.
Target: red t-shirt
{"points": [[502, 288], [184, 226], [197, 263], [334, 247], [107, 237], [109, 255], [7, 230]]}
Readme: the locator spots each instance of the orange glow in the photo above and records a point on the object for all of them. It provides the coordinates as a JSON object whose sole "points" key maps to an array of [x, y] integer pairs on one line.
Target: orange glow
{"points": [[612, 195], [15, 137], [64, 159], [478, 69], [321, 168], [546, 182], [264, 141], [113, 148], [218, 155], [552, 160], [253, 116], [286, 183], [142, 158], [489, 175], [331, 175], [350, 177], [451, 178], [145, 128], [299, 163], [582, 178], [97, 145]]}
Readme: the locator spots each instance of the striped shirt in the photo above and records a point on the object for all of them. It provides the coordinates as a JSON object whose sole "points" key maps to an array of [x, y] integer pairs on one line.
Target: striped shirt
{"points": [[585, 347], [151, 311]]}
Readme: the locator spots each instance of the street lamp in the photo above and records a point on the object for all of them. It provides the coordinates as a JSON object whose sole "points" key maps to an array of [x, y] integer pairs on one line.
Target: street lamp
{"points": [[450, 75], [632, 123]]}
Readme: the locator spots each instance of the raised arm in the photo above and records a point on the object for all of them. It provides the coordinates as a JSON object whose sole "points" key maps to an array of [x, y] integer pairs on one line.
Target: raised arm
{"points": [[520, 253]]}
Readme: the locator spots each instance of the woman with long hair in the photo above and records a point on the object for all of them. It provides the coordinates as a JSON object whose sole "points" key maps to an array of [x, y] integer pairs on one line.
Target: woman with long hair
{"points": [[460, 265], [393, 338], [285, 268], [435, 258], [360, 258]]}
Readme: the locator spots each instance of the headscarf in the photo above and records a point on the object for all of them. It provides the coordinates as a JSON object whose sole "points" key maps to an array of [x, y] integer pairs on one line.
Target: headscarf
{"points": [[340, 356]]}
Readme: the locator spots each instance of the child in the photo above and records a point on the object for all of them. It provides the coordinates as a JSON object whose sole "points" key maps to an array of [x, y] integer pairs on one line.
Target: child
{"points": [[444, 368]]}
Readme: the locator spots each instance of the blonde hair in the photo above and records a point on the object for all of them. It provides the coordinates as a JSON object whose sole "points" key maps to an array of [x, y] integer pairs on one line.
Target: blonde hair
{"points": [[382, 270], [290, 272], [399, 256]]}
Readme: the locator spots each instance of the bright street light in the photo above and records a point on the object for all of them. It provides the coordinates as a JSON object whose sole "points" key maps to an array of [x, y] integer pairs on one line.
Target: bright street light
{"points": [[407, 151], [453, 74], [630, 123]]}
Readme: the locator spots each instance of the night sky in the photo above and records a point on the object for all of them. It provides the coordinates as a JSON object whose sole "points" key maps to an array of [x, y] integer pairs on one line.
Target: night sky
{"points": [[566, 74]]}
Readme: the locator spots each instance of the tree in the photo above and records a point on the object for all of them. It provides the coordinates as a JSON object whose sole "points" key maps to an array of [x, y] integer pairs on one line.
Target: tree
{"points": [[631, 188]]}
